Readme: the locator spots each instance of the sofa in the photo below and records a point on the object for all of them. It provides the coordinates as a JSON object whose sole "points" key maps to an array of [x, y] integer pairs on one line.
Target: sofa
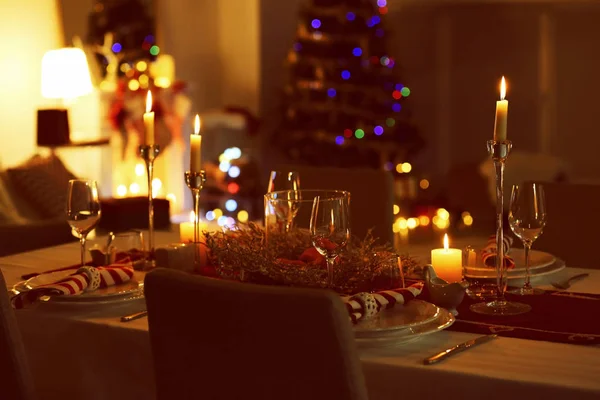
{"points": [[32, 205]]}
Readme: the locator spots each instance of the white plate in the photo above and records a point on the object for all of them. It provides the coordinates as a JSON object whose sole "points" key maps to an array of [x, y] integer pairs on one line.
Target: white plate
{"points": [[443, 320], [389, 322], [537, 260], [130, 289], [539, 272]]}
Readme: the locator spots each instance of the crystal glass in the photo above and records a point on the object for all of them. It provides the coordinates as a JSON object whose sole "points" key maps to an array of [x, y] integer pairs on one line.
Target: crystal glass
{"points": [[527, 218], [283, 180], [330, 229], [83, 209], [129, 247]]}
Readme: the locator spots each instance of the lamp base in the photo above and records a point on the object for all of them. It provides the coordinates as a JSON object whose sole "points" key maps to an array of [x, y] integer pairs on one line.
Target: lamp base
{"points": [[53, 128]]}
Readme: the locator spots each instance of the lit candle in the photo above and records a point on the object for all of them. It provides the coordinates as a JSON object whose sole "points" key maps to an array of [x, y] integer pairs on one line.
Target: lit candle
{"points": [[186, 230], [149, 120], [447, 262], [501, 114], [195, 143]]}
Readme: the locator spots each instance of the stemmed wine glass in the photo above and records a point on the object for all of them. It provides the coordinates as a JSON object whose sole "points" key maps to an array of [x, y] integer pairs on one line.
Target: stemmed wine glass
{"points": [[288, 181], [330, 228], [83, 209], [283, 180], [527, 218]]}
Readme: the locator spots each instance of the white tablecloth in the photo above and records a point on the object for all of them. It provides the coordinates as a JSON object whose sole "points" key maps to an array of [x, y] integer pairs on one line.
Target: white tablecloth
{"points": [[85, 353]]}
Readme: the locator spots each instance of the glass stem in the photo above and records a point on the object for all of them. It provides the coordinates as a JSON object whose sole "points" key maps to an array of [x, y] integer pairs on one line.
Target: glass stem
{"points": [[330, 262], [527, 285], [82, 241]]}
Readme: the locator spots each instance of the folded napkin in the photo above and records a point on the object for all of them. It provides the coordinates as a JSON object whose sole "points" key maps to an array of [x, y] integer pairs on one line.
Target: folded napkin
{"points": [[488, 254], [85, 279], [366, 305]]}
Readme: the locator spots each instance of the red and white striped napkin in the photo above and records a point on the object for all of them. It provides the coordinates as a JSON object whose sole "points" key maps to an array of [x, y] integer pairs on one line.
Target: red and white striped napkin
{"points": [[74, 284], [488, 254], [366, 305]]}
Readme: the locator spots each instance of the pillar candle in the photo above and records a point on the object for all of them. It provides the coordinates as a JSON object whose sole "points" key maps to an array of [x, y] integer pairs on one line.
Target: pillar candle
{"points": [[186, 230], [447, 262], [149, 120], [195, 147], [501, 114]]}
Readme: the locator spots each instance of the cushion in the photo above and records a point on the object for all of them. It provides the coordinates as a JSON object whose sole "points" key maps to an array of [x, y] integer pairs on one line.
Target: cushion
{"points": [[43, 182]]}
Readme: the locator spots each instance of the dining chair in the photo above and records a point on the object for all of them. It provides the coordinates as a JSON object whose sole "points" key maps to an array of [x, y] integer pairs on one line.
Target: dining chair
{"points": [[215, 339], [573, 220], [15, 378], [371, 195]]}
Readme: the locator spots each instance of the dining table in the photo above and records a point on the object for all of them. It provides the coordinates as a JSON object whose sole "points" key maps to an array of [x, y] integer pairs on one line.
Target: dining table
{"points": [[84, 351]]}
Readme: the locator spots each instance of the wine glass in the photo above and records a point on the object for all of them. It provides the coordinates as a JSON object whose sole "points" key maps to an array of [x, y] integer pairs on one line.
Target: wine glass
{"points": [[283, 180], [527, 218], [290, 183], [83, 209], [330, 228]]}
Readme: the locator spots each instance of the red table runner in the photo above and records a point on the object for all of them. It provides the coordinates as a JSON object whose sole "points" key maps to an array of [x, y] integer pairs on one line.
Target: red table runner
{"points": [[555, 317]]}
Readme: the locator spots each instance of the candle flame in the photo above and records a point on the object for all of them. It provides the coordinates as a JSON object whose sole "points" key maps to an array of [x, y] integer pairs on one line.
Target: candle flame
{"points": [[149, 102], [192, 216], [446, 244], [502, 88], [197, 125]]}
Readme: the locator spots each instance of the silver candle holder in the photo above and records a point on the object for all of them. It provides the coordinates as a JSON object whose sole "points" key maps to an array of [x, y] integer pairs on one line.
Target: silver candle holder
{"points": [[499, 151], [195, 181], [149, 154]]}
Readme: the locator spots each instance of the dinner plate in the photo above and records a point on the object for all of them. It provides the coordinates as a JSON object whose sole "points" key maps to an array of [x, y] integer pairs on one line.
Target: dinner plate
{"points": [[537, 260], [443, 320], [391, 321], [130, 289], [537, 273]]}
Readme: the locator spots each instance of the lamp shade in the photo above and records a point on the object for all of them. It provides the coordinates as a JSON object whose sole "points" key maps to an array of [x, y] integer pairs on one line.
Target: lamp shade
{"points": [[65, 74]]}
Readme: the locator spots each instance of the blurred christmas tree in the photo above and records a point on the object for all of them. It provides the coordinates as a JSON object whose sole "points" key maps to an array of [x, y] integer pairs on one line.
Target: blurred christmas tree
{"points": [[343, 101]]}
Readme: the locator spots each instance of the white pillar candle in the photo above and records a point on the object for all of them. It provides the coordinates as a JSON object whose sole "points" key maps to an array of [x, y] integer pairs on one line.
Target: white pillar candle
{"points": [[149, 120], [447, 262], [195, 147], [501, 114]]}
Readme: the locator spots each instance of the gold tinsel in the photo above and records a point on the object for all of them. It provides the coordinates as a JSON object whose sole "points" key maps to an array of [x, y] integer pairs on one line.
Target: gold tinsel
{"points": [[243, 254]]}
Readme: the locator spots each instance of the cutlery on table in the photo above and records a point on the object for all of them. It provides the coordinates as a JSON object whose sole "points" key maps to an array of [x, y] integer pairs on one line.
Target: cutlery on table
{"points": [[458, 349], [566, 283], [133, 317]]}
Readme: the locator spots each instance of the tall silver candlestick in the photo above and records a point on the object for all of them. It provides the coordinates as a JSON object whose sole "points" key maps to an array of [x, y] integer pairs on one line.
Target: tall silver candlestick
{"points": [[149, 154], [499, 151], [195, 181]]}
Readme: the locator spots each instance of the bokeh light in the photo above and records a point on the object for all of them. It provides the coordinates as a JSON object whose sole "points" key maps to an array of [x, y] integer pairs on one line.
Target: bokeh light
{"points": [[233, 188], [357, 52], [406, 167], [390, 122], [121, 191], [134, 188], [231, 205], [396, 209], [378, 130], [116, 47], [154, 50], [359, 133], [381, 3], [348, 133], [405, 91], [396, 107], [424, 184], [218, 212], [242, 216], [339, 140], [345, 74], [210, 215], [350, 16], [315, 23], [396, 94], [234, 171], [331, 92], [424, 220]]}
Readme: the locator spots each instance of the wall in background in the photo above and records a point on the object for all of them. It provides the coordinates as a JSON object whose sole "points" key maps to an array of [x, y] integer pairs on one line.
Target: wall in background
{"points": [[28, 29]]}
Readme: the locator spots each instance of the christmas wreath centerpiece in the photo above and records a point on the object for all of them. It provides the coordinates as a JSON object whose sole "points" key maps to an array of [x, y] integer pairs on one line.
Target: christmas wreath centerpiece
{"points": [[291, 260]]}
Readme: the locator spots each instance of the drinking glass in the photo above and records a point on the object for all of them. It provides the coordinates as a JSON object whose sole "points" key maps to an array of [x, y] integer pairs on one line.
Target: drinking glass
{"points": [[129, 247], [288, 182], [283, 180], [330, 229], [527, 218], [83, 209]]}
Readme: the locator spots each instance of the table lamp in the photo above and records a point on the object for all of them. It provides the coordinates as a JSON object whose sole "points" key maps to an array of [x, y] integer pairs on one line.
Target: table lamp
{"points": [[65, 76]]}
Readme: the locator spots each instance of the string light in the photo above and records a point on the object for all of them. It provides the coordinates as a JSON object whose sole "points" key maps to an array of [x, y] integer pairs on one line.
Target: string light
{"points": [[154, 50], [396, 94], [116, 47], [339, 140], [405, 91], [359, 133], [357, 52], [345, 74], [315, 23], [378, 130]]}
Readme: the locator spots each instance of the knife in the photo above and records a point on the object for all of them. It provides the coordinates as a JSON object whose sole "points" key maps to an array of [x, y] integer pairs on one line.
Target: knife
{"points": [[458, 349], [133, 317]]}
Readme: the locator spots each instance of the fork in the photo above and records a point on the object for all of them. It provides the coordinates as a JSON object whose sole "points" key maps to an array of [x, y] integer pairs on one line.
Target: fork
{"points": [[566, 283]]}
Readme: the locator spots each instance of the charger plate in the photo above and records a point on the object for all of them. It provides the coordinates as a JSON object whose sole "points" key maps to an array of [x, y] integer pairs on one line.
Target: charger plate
{"points": [[519, 275], [444, 319], [123, 292], [537, 260], [390, 322]]}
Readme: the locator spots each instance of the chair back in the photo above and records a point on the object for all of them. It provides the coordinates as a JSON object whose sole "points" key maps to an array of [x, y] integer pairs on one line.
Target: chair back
{"points": [[214, 339], [371, 195], [571, 231], [15, 378]]}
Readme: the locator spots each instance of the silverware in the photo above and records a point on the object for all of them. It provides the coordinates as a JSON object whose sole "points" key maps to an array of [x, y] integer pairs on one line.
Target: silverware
{"points": [[458, 349], [566, 283], [132, 317]]}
